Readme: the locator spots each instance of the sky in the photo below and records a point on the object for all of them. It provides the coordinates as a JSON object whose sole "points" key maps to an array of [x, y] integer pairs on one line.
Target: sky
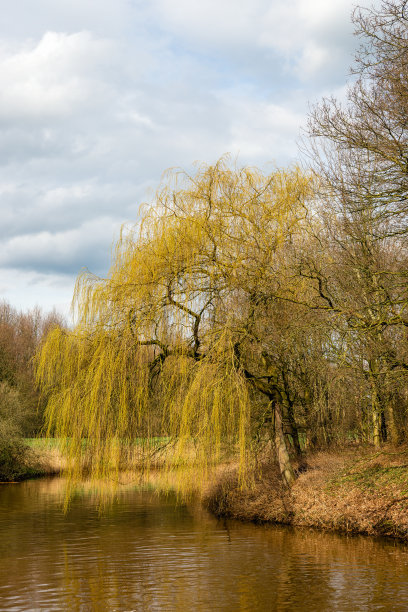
{"points": [[99, 97]]}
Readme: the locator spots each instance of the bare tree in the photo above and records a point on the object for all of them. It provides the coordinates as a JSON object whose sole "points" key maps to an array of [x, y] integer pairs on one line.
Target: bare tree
{"points": [[360, 151]]}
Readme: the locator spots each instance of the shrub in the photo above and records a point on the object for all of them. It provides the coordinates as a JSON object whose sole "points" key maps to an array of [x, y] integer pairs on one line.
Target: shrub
{"points": [[14, 453]]}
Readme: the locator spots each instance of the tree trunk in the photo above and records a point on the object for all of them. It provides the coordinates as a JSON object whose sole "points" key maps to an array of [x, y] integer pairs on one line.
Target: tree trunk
{"points": [[376, 426], [377, 411], [392, 427], [291, 432], [285, 465]]}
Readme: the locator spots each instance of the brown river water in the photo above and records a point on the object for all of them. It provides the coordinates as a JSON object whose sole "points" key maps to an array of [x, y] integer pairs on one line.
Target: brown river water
{"points": [[146, 552]]}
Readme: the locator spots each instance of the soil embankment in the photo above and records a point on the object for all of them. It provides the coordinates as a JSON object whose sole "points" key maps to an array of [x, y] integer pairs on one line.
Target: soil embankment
{"points": [[352, 491]]}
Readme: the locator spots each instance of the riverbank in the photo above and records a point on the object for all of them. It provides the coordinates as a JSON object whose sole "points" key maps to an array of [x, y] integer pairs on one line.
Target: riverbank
{"points": [[355, 491], [22, 459]]}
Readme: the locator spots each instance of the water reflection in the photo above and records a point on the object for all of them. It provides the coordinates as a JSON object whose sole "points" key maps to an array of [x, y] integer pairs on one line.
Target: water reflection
{"points": [[146, 553]]}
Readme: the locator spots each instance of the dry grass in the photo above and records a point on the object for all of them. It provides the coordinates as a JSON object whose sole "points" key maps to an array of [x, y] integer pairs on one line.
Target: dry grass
{"points": [[49, 461], [354, 491]]}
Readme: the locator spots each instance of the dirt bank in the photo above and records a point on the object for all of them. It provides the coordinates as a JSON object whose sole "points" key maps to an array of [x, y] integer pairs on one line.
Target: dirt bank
{"points": [[353, 491]]}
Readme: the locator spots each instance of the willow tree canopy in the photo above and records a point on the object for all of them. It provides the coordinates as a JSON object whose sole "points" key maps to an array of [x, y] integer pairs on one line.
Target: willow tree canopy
{"points": [[171, 343]]}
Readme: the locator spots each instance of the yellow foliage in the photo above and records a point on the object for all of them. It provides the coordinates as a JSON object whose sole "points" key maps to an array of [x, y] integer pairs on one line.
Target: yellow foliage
{"points": [[154, 350]]}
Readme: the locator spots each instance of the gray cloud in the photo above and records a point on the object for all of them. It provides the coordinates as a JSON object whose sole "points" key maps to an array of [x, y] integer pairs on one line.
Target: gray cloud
{"points": [[62, 252]]}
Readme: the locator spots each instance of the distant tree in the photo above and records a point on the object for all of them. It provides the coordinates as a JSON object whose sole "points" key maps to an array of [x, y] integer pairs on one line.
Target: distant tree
{"points": [[20, 335]]}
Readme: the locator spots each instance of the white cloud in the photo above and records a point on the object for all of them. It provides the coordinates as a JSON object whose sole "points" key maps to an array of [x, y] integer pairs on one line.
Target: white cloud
{"points": [[310, 33], [54, 77], [27, 19], [260, 132]]}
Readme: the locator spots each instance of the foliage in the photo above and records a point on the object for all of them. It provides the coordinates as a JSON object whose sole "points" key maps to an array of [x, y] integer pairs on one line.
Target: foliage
{"points": [[13, 451], [171, 343], [20, 334], [20, 411]]}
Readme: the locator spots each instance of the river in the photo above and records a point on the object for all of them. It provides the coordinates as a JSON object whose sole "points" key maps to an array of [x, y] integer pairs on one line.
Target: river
{"points": [[146, 552]]}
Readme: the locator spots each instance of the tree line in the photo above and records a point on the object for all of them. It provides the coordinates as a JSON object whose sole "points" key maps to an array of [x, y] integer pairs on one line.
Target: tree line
{"points": [[21, 409], [247, 309]]}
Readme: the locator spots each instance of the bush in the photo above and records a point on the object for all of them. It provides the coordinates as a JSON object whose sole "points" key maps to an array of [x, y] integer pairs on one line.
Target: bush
{"points": [[14, 453]]}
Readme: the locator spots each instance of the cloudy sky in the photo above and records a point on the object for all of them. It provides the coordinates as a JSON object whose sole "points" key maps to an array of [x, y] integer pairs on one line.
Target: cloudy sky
{"points": [[99, 97]]}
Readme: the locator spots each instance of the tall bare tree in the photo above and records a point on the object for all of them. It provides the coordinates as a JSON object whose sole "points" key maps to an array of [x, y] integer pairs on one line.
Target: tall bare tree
{"points": [[360, 151]]}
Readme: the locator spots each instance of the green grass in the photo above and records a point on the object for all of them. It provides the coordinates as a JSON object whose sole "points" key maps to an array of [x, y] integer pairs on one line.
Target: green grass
{"points": [[42, 443], [50, 443], [374, 478]]}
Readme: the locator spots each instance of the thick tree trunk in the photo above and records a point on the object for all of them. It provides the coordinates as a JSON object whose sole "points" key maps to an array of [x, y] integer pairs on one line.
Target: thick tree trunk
{"points": [[380, 430], [285, 465], [291, 431], [392, 427], [377, 410]]}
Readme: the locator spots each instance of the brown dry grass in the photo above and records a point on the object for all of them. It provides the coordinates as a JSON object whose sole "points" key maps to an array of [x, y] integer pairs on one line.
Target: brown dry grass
{"points": [[48, 460], [353, 490]]}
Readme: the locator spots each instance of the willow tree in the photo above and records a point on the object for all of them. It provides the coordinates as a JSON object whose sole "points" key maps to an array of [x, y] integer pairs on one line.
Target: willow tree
{"points": [[173, 342]]}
